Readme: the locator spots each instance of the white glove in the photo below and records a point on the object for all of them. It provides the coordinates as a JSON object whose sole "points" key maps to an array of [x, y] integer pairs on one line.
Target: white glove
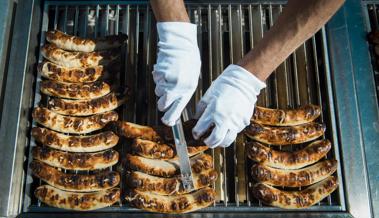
{"points": [[177, 71], [227, 105]]}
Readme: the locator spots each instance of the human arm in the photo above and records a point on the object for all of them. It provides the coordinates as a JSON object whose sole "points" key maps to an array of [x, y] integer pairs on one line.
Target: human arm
{"points": [[228, 104], [177, 70], [298, 22]]}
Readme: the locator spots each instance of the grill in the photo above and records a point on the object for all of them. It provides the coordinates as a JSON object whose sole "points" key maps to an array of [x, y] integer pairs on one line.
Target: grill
{"points": [[226, 31]]}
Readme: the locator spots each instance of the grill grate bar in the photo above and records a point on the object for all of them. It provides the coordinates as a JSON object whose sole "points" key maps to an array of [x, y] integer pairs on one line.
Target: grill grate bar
{"points": [[226, 32]]}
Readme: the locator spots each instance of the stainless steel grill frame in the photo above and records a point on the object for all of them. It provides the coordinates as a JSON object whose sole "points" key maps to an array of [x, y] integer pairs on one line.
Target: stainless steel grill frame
{"points": [[219, 46]]}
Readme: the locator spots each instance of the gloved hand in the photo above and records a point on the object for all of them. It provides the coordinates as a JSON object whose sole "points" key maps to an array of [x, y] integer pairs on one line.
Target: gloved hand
{"points": [[228, 105], [177, 71]]}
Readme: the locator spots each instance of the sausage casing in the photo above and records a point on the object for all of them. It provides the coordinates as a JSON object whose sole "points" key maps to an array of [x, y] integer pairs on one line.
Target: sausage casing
{"points": [[294, 178], [295, 199], [171, 204], [77, 201], [75, 161], [74, 182], [288, 117], [168, 186], [285, 135], [68, 124], [288, 160], [74, 143]]}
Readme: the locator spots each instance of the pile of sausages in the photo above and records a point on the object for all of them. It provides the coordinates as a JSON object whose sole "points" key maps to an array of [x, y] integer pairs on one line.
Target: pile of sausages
{"points": [[275, 169], [153, 176], [74, 154]]}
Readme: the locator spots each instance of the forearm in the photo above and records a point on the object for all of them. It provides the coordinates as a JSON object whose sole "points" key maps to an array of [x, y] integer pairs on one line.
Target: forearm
{"points": [[298, 22], [169, 10]]}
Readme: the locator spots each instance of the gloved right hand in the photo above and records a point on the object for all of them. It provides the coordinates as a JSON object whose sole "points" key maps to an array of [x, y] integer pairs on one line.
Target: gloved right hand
{"points": [[227, 106], [177, 70]]}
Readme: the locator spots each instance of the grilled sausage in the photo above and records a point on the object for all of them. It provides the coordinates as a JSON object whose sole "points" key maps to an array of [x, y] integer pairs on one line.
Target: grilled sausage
{"points": [[58, 73], [278, 117], [132, 130], [91, 143], [155, 150], [288, 160], [85, 107], [75, 90], [167, 168], [285, 135], [75, 43], [162, 134], [294, 178], [77, 59], [74, 182], [168, 186], [171, 204], [75, 161], [67, 124], [77, 201], [295, 199]]}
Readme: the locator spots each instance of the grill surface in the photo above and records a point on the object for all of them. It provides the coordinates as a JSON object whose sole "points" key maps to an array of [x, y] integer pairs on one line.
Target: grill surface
{"points": [[225, 33]]}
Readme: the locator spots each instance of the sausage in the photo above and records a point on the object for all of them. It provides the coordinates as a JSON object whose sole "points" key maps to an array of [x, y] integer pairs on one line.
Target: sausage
{"points": [[294, 178], [168, 186], [58, 73], [132, 130], [75, 43], [85, 107], [77, 59], [155, 150], [285, 135], [67, 124], [161, 134], [171, 204], [91, 143], [75, 161], [289, 117], [75, 90], [167, 168], [77, 201], [295, 199], [74, 182], [288, 160]]}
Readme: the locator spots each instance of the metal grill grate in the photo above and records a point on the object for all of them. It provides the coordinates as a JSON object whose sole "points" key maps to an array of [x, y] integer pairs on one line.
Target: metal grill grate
{"points": [[225, 33], [372, 23]]}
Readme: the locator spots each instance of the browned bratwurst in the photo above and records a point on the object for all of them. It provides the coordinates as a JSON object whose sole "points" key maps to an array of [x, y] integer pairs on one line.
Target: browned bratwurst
{"points": [[288, 117], [73, 143], [75, 90], [77, 59], [294, 178], [85, 107], [288, 160], [74, 182], [167, 168], [295, 199], [162, 151], [171, 204], [76, 125], [77, 201], [168, 186], [58, 73], [75, 43], [285, 135], [75, 161]]}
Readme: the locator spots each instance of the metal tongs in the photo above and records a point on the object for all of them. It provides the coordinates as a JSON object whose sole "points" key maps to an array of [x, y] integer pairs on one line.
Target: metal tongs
{"points": [[184, 162]]}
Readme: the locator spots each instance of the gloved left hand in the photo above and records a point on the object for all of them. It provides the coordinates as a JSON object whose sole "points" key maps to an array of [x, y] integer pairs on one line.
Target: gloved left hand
{"points": [[177, 71]]}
